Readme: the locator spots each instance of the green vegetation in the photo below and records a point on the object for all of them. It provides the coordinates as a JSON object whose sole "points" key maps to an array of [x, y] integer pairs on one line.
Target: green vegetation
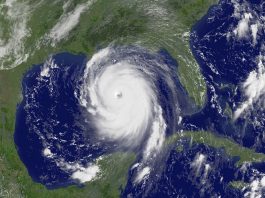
{"points": [[187, 13], [42, 19], [228, 111], [191, 11], [15, 181], [232, 148], [151, 24], [105, 27], [4, 24], [179, 148], [172, 33], [238, 184]]}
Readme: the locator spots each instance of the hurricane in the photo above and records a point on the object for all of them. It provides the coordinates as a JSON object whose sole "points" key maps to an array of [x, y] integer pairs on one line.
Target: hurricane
{"points": [[121, 99], [132, 98]]}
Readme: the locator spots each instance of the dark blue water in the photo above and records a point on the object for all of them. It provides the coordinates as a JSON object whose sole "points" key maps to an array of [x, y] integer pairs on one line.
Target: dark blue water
{"points": [[232, 61], [50, 115], [180, 179]]}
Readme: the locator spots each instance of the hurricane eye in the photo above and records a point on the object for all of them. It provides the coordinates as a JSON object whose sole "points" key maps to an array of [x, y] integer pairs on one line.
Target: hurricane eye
{"points": [[118, 95], [99, 108]]}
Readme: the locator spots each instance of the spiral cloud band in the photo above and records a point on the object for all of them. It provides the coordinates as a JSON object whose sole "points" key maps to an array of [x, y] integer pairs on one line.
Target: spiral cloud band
{"points": [[120, 93], [122, 98]]}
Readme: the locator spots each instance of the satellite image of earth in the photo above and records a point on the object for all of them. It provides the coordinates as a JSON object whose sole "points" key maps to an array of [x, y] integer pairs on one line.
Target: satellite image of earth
{"points": [[132, 98]]}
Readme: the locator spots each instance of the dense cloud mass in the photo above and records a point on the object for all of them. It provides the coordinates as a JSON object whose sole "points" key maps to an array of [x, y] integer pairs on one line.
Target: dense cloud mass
{"points": [[122, 98]]}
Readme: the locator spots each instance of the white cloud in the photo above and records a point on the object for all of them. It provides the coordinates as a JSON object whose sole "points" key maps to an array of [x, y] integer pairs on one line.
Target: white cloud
{"points": [[47, 66], [198, 162], [256, 187], [78, 171], [143, 174], [242, 29], [253, 87], [67, 22], [47, 152], [250, 23], [254, 31], [157, 137], [13, 50], [85, 174]]}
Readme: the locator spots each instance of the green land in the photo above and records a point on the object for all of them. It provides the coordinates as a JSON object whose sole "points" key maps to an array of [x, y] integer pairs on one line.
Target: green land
{"points": [[239, 184], [231, 148]]}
